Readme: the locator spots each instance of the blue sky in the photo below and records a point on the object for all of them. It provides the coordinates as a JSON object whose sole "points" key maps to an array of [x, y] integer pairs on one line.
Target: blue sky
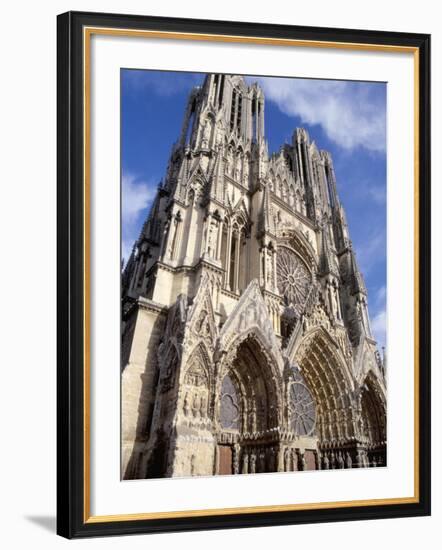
{"points": [[346, 118]]}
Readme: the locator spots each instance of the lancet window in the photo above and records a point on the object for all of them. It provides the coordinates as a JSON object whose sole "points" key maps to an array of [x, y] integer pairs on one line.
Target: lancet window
{"points": [[233, 257]]}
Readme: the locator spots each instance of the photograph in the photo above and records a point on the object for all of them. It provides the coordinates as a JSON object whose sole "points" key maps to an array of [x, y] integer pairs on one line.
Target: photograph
{"points": [[253, 274], [228, 214]]}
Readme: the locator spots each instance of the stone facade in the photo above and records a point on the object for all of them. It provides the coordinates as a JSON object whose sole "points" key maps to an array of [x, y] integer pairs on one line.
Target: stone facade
{"points": [[246, 341]]}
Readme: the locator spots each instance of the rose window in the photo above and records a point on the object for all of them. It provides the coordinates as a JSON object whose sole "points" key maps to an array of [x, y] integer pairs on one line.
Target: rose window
{"points": [[293, 277]]}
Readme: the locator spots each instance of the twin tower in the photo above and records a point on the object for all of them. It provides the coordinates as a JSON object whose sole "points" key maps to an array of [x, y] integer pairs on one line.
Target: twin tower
{"points": [[246, 340]]}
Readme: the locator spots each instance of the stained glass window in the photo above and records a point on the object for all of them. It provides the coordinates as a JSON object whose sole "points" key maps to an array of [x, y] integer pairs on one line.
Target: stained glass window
{"points": [[303, 410]]}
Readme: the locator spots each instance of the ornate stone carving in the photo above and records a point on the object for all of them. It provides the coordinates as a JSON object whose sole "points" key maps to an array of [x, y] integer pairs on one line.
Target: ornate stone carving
{"points": [[230, 411], [294, 279], [303, 409]]}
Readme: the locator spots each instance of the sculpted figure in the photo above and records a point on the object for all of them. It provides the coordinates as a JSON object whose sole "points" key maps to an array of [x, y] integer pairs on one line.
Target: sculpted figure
{"points": [[287, 460], [252, 463], [245, 463]]}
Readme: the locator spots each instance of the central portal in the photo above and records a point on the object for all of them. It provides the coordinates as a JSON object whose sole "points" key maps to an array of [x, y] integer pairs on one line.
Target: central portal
{"points": [[247, 413]]}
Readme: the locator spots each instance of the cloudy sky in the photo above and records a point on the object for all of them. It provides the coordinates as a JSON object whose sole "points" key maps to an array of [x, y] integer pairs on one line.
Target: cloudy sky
{"points": [[346, 118]]}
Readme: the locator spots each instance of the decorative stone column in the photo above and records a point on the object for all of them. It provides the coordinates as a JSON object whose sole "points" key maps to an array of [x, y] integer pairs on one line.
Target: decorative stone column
{"points": [[245, 463], [228, 252], [220, 240], [275, 283], [206, 240], [263, 265], [237, 261]]}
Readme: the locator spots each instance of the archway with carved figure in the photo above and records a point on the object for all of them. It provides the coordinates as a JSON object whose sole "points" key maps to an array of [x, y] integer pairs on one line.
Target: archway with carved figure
{"points": [[248, 408], [373, 420], [330, 383]]}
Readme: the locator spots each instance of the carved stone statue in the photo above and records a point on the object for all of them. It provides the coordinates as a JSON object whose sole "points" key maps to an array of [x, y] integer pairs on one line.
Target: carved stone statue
{"points": [[252, 463], [287, 460]]}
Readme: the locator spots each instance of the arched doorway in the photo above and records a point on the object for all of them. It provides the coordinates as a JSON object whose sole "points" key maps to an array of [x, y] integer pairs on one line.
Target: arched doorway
{"points": [[332, 387], [373, 421], [248, 410]]}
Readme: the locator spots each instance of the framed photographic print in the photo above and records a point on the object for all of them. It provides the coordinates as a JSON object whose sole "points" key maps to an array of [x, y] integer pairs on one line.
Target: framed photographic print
{"points": [[243, 274]]}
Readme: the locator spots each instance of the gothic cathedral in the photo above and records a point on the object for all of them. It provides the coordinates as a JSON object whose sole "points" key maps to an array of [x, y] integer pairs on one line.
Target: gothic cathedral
{"points": [[246, 341]]}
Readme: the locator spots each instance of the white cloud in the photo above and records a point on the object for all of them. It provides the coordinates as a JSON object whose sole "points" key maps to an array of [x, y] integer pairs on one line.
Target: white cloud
{"points": [[379, 321], [136, 196], [380, 296], [126, 249], [379, 327], [378, 194], [371, 251], [352, 114]]}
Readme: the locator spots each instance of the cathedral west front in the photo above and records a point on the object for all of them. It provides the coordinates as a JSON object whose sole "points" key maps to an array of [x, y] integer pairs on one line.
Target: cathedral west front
{"points": [[246, 340]]}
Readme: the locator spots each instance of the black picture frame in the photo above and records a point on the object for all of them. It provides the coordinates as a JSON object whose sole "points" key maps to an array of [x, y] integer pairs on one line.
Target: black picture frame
{"points": [[72, 392]]}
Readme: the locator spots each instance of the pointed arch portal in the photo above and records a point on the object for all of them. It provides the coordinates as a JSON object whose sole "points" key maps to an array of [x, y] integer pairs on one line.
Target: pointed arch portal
{"points": [[350, 427], [248, 409]]}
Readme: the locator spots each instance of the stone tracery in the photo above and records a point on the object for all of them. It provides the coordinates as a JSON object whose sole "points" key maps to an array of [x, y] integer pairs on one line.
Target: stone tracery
{"points": [[294, 279]]}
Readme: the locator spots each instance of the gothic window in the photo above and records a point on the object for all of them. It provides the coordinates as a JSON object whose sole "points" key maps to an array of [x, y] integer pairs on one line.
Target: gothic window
{"points": [[293, 278], [174, 243], [221, 91], [233, 110], [224, 246], [239, 113], [233, 254], [232, 263], [254, 121], [230, 408], [303, 410], [215, 86]]}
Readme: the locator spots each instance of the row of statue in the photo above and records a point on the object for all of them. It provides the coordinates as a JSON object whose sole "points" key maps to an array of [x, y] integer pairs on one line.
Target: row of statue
{"points": [[251, 460]]}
